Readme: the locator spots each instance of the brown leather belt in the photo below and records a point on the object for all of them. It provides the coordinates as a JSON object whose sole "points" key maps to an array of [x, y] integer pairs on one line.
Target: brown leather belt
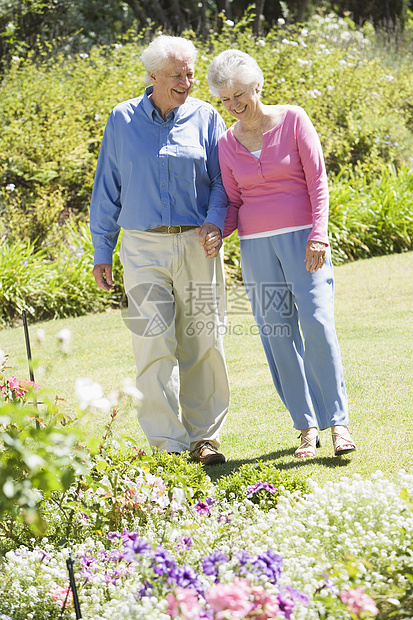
{"points": [[172, 230]]}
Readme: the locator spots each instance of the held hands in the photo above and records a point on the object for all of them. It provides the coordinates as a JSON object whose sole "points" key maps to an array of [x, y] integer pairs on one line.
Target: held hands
{"points": [[210, 238], [315, 255], [103, 276]]}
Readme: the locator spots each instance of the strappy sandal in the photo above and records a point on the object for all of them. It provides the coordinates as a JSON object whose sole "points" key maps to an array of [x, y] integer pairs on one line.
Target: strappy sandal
{"points": [[342, 438], [308, 446]]}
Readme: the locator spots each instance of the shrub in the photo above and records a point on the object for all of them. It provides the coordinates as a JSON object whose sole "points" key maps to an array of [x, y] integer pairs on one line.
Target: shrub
{"points": [[244, 481]]}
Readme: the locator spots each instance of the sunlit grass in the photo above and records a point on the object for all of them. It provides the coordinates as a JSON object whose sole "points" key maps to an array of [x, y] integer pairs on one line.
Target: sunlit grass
{"points": [[374, 300]]}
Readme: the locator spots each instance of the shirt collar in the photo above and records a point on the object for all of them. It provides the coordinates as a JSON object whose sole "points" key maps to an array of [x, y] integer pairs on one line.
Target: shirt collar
{"points": [[152, 112]]}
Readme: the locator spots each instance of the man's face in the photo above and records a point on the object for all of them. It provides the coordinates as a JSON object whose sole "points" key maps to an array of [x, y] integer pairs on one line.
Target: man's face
{"points": [[172, 84]]}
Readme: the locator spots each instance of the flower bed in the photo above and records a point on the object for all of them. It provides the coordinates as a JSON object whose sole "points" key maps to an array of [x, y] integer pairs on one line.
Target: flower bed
{"points": [[151, 537], [323, 555]]}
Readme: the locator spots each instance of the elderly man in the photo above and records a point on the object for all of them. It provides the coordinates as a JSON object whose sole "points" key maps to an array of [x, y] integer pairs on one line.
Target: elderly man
{"points": [[158, 178]]}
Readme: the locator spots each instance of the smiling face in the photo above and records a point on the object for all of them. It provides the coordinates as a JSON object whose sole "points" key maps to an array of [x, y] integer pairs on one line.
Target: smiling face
{"points": [[172, 84], [241, 100]]}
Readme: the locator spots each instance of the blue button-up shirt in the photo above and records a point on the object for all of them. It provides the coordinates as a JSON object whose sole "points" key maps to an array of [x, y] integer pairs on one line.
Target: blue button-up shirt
{"points": [[152, 172]]}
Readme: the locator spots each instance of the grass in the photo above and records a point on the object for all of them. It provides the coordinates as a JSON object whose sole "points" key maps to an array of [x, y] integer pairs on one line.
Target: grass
{"points": [[374, 300]]}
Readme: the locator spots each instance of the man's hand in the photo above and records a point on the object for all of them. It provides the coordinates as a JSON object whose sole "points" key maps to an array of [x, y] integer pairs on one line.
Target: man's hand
{"points": [[210, 238], [103, 276], [315, 255]]}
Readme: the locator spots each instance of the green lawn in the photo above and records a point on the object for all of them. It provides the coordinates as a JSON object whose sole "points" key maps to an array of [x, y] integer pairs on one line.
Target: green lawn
{"points": [[374, 314]]}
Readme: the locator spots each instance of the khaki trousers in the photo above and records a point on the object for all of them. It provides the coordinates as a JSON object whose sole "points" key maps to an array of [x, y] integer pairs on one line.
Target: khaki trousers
{"points": [[176, 308]]}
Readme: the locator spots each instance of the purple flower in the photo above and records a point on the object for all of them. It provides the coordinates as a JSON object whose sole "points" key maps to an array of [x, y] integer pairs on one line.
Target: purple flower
{"points": [[115, 555], [243, 558], [45, 557], [223, 518], [86, 573], [163, 563], [329, 584], [129, 535], [88, 560], [297, 596], [204, 507], [270, 564], [109, 578], [112, 536], [253, 489], [286, 606], [184, 543], [187, 577], [146, 589], [132, 548], [211, 562]]}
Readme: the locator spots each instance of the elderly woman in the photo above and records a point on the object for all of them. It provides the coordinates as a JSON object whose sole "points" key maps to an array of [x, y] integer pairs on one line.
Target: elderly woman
{"points": [[273, 171]]}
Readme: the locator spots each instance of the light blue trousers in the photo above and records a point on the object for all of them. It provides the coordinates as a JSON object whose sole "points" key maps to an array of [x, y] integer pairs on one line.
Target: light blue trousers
{"points": [[294, 311]]}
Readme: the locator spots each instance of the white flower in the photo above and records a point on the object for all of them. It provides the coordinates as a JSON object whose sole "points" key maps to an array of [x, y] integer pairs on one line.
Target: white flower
{"points": [[63, 338], [130, 389], [40, 336], [83, 55], [302, 62], [10, 187], [90, 394], [229, 22], [261, 42], [281, 21], [3, 357]]}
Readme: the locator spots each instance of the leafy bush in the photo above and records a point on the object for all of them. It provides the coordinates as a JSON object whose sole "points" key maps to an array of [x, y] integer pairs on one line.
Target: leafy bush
{"points": [[241, 483], [53, 110], [55, 287]]}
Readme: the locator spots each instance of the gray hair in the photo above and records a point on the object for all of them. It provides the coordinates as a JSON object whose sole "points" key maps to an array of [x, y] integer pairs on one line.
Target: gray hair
{"points": [[163, 48], [233, 66]]}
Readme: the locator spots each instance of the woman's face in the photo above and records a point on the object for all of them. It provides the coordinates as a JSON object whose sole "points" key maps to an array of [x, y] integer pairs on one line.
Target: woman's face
{"points": [[241, 100]]}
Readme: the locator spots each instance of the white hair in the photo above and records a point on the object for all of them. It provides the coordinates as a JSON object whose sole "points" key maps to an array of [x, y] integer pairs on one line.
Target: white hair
{"points": [[234, 66], [163, 48]]}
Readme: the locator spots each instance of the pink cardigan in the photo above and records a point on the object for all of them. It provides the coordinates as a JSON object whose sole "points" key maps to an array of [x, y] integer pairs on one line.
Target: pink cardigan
{"points": [[285, 188]]}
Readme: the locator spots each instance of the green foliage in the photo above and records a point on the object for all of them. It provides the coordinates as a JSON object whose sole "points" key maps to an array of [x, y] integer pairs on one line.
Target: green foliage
{"points": [[371, 218], [54, 107], [35, 461], [50, 288], [235, 485]]}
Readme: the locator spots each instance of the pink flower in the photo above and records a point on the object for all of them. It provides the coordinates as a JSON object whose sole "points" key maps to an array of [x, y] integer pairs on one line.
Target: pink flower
{"points": [[233, 597], [29, 384], [59, 594], [18, 387], [266, 604], [183, 604], [358, 602], [14, 382]]}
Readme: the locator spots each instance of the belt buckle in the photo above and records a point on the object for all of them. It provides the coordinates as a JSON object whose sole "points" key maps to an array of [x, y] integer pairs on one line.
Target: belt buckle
{"points": [[174, 232]]}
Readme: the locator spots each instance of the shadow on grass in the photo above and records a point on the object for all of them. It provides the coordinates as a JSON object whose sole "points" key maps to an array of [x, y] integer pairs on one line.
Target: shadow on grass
{"points": [[218, 471]]}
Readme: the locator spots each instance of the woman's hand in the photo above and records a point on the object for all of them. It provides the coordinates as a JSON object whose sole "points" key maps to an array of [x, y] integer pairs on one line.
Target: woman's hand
{"points": [[210, 238], [315, 255]]}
